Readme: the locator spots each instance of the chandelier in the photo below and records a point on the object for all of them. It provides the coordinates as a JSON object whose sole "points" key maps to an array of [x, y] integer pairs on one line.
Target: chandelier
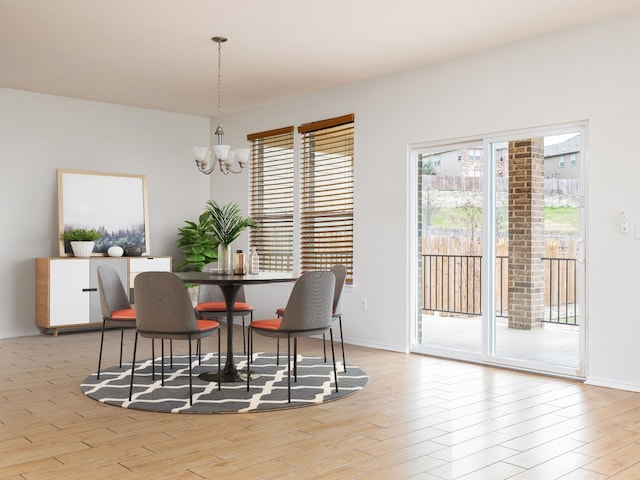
{"points": [[226, 157]]}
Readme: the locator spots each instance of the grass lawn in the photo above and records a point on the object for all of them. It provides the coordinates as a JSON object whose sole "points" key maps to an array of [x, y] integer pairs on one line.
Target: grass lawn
{"points": [[563, 219], [557, 220]]}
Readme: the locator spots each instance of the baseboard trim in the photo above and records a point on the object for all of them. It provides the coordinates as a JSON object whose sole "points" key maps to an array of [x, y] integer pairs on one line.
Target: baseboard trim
{"points": [[607, 383]]}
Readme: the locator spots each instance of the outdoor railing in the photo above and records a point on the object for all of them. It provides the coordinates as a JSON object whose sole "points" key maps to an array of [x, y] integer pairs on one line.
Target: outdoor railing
{"points": [[560, 291], [453, 284]]}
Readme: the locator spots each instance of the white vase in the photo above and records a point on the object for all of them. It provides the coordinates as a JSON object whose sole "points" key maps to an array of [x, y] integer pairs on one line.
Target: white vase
{"points": [[193, 294], [115, 251], [82, 249]]}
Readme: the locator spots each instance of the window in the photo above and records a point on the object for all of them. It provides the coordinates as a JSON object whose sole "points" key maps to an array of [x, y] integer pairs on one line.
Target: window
{"points": [[573, 160], [324, 217], [561, 161], [326, 197], [475, 155], [271, 198]]}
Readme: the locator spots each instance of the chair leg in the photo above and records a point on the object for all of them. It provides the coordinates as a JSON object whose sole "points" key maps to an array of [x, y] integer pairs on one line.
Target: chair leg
{"points": [[101, 343], [121, 342], [133, 363], [249, 347], [162, 363], [245, 342], [289, 367], [333, 353], [295, 359], [171, 352], [249, 339], [278, 349], [324, 347], [190, 386], [344, 359], [219, 364], [244, 345], [153, 359]]}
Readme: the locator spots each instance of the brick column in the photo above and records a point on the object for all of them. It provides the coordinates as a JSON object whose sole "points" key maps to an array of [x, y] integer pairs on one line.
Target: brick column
{"points": [[526, 233]]}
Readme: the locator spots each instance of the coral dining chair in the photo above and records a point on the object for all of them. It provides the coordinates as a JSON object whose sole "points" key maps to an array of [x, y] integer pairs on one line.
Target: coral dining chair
{"points": [[164, 310], [308, 313], [115, 306], [340, 271]]}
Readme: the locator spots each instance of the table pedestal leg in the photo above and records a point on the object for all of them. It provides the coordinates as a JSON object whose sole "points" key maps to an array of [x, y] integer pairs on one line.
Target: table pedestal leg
{"points": [[229, 372]]}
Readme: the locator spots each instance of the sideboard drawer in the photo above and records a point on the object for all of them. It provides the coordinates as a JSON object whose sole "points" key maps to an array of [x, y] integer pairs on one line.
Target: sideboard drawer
{"points": [[147, 264]]}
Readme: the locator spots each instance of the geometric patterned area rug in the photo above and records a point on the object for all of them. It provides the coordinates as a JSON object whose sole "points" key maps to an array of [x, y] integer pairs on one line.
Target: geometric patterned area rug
{"points": [[268, 392]]}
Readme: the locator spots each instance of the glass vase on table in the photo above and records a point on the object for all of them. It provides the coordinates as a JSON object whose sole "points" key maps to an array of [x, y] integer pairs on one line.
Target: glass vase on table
{"points": [[225, 265]]}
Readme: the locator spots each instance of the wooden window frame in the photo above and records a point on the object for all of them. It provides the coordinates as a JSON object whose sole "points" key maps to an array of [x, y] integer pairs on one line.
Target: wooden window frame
{"points": [[271, 197], [326, 194]]}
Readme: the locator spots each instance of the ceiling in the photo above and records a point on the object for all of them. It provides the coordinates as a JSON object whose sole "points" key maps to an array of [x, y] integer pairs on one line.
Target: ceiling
{"points": [[158, 53]]}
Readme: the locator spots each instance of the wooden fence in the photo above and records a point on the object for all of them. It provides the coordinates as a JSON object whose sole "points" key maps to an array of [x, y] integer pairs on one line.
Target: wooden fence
{"points": [[552, 186], [451, 277]]}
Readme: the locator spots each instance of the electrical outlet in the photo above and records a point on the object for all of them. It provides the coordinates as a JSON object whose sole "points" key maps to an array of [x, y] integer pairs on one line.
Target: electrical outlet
{"points": [[363, 304], [624, 224]]}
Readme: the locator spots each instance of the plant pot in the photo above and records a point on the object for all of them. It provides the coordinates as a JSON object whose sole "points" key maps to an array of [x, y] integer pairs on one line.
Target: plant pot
{"points": [[82, 249]]}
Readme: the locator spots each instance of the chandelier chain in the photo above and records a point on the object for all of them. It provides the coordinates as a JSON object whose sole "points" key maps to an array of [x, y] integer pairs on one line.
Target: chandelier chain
{"points": [[219, 83]]}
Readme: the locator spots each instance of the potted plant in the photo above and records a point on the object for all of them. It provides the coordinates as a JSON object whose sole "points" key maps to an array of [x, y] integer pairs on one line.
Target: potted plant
{"points": [[81, 240], [197, 244], [227, 223]]}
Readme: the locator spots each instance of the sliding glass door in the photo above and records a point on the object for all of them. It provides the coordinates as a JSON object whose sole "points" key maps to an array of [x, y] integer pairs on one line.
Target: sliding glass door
{"points": [[535, 197], [498, 251], [449, 209]]}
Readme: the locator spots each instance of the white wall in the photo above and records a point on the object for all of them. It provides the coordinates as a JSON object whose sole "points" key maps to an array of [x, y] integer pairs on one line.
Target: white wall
{"points": [[41, 133], [589, 74]]}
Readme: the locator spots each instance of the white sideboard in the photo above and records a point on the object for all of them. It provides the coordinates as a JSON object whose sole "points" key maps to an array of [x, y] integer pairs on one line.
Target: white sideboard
{"points": [[67, 288]]}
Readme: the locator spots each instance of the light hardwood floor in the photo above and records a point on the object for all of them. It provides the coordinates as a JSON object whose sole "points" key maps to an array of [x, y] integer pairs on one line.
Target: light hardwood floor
{"points": [[419, 418]]}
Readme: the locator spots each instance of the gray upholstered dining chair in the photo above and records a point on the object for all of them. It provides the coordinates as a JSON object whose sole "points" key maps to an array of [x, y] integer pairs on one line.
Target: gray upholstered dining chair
{"points": [[211, 301], [115, 306], [308, 313], [340, 271], [164, 310]]}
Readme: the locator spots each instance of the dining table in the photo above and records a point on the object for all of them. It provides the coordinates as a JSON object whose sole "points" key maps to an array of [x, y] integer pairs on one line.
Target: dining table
{"points": [[230, 284]]}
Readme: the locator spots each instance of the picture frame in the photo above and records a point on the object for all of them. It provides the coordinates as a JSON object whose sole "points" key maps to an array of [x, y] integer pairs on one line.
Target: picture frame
{"points": [[113, 203]]}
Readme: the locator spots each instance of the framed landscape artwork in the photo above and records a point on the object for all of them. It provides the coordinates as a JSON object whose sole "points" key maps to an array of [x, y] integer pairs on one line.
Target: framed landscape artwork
{"points": [[114, 204]]}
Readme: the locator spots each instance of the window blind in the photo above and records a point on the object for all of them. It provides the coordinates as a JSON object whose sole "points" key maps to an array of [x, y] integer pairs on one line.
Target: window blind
{"points": [[271, 198], [326, 201]]}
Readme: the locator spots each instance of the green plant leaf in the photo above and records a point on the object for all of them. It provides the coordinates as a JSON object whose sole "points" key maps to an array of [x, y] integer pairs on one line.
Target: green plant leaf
{"points": [[197, 243], [82, 235], [227, 221]]}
